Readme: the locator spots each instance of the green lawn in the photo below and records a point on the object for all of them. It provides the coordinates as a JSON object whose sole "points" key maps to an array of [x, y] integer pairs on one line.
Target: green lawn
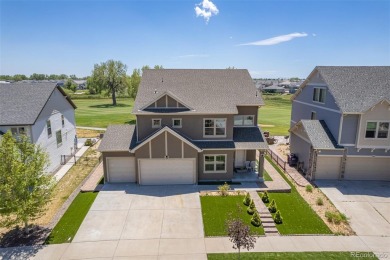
{"points": [[266, 176], [298, 216], [275, 115], [216, 209], [101, 112], [294, 256], [67, 227]]}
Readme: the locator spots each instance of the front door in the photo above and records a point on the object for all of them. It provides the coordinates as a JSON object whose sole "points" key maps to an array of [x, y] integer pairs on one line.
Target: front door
{"points": [[239, 161]]}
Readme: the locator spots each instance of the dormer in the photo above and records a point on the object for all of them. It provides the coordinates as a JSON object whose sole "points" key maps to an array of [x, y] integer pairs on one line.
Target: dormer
{"points": [[166, 102]]}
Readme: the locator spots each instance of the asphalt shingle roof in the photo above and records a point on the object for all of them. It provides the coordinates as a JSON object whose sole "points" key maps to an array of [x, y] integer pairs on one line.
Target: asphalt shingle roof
{"points": [[118, 138], [248, 138], [215, 144], [21, 103], [357, 88], [203, 90], [319, 134]]}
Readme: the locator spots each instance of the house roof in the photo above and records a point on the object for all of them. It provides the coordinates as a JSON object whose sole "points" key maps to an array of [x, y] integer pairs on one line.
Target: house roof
{"points": [[216, 91], [356, 88], [21, 103], [118, 138], [249, 138], [215, 144], [318, 133]]}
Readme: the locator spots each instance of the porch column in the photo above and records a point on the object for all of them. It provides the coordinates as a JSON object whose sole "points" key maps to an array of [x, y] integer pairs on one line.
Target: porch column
{"points": [[260, 166]]}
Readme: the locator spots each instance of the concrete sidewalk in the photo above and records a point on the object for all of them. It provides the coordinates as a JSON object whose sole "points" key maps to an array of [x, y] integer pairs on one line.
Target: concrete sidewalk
{"points": [[198, 248], [66, 167]]}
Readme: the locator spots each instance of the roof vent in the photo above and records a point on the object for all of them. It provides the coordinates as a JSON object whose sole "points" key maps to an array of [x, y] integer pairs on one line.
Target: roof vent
{"points": [[256, 93], [155, 91]]}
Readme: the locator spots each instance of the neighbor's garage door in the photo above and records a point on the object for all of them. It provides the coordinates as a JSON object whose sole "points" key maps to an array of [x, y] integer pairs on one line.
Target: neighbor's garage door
{"points": [[367, 168], [327, 168], [167, 171], [121, 169]]}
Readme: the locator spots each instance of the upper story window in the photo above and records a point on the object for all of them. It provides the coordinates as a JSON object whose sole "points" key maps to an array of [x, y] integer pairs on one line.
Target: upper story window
{"points": [[319, 95], [377, 129], [313, 115], [63, 120], [214, 127], [48, 126], [156, 123], [176, 122], [59, 138], [244, 120], [215, 163]]}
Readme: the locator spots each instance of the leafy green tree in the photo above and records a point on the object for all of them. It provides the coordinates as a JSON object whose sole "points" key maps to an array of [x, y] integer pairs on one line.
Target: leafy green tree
{"points": [[25, 188], [72, 76], [19, 77], [255, 220], [110, 76], [63, 76], [69, 84], [134, 81], [158, 67], [36, 76]]}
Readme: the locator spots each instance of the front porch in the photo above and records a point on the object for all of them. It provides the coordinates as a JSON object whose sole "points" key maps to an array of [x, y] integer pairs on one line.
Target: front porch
{"points": [[248, 165]]}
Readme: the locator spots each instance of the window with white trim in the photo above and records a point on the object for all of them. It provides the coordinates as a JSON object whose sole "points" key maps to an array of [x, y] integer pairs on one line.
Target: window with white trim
{"points": [[215, 163], [48, 126], [16, 131], [176, 122], [377, 130], [156, 123], [59, 138], [244, 120], [214, 127], [319, 95]]}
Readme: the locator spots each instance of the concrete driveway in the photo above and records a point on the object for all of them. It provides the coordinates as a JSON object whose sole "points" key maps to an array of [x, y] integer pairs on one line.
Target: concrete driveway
{"points": [[143, 221], [366, 203]]}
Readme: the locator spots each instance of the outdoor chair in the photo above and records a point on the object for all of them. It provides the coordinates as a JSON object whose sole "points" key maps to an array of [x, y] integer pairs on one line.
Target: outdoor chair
{"points": [[248, 165], [253, 165]]}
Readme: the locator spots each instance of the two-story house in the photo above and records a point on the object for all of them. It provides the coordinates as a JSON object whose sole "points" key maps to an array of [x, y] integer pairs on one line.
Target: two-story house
{"points": [[192, 126], [340, 123], [44, 113]]}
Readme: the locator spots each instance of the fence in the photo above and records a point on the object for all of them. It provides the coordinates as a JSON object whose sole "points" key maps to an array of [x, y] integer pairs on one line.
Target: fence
{"points": [[278, 160]]}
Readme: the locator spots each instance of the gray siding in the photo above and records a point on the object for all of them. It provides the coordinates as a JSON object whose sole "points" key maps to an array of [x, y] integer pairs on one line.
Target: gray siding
{"points": [[248, 110], [368, 152], [349, 129], [306, 95], [301, 148], [216, 176], [192, 125]]}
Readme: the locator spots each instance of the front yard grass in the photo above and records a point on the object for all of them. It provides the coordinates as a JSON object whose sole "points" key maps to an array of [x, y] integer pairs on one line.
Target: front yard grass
{"points": [[67, 227], [295, 255], [266, 176], [215, 212], [298, 216], [275, 115]]}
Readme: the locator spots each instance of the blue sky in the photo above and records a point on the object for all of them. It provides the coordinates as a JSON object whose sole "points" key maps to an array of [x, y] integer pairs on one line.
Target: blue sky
{"points": [[71, 36]]}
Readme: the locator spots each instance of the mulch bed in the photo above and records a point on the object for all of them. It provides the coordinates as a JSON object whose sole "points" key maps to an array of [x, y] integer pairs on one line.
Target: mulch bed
{"points": [[36, 235]]}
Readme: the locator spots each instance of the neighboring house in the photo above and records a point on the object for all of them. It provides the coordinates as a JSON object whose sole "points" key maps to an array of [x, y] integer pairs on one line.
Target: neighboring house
{"points": [[274, 89], [340, 123], [192, 126], [44, 113], [81, 83]]}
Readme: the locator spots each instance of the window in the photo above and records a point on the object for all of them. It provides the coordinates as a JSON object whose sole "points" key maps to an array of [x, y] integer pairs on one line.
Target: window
{"points": [[63, 120], [215, 163], [319, 95], [59, 138], [48, 125], [176, 122], [18, 131], [214, 127], [244, 120], [377, 129], [156, 123], [313, 115]]}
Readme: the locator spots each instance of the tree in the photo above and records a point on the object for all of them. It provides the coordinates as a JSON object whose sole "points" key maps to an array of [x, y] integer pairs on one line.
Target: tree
{"points": [[111, 76], [134, 82], [19, 77], [25, 188], [36, 76], [72, 76], [239, 234], [69, 84], [158, 67]]}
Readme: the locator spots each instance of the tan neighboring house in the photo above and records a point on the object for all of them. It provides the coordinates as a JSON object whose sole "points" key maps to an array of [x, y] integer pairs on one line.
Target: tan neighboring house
{"points": [[340, 123], [192, 126]]}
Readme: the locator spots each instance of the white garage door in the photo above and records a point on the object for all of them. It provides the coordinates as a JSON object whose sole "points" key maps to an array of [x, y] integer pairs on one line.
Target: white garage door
{"points": [[121, 169], [327, 168], [367, 168], [167, 171]]}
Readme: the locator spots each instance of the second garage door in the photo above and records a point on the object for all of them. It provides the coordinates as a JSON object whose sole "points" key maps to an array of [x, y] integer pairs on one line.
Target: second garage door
{"points": [[328, 167], [167, 171], [121, 169]]}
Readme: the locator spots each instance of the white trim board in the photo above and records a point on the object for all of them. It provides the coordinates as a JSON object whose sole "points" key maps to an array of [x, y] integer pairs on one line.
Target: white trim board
{"points": [[325, 108]]}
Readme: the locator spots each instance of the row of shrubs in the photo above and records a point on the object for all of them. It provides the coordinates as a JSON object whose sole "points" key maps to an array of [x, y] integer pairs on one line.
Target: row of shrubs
{"points": [[272, 208], [255, 220]]}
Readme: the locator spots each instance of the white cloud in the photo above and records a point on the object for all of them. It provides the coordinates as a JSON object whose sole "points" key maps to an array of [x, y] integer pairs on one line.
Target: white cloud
{"points": [[206, 9], [277, 39], [193, 56], [314, 35]]}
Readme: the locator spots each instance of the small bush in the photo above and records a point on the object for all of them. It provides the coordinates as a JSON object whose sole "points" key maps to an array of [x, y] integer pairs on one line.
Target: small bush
{"points": [[319, 201], [223, 189], [247, 199], [336, 217], [265, 197], [329, 216], [278, 218], [88, 142], [309, 188], [256, 221], [252, 208], [272, 206]]}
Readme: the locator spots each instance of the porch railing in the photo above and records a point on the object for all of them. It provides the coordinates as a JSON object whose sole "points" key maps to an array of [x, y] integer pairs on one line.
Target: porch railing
{"points": [[277, 159]]}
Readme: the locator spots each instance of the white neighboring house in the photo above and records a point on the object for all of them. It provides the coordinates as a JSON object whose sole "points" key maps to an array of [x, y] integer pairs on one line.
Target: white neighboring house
{"points": [[44, 113]]}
